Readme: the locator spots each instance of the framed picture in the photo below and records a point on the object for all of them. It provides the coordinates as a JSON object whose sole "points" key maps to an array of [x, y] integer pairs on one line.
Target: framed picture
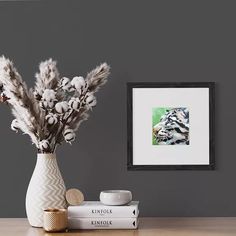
{"points": [[170, 126]]}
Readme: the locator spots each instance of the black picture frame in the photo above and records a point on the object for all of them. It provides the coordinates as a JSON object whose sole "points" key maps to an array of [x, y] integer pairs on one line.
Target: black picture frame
{"points": [[132, 85]]}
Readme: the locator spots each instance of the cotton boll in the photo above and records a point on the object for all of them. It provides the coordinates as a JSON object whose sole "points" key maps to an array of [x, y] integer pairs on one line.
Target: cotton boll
{"points": [[48, 99], [49, 104], [51, 119], [61, 107], [49, 95], [74, 103], [69, 135], [46, 104], [78, 83], [44, 145], [15, 125], [90, 100], [66, 84]]}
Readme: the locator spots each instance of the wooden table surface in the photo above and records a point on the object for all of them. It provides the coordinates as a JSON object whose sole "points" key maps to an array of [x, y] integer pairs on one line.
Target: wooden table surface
{"points": [[148, 226]]}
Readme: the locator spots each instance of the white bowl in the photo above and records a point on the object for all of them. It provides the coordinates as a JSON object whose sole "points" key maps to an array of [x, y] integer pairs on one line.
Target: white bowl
{"points": [[115, 197]]}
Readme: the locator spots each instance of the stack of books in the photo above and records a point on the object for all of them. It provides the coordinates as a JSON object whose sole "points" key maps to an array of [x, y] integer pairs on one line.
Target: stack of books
{"points": [[95, 215]]}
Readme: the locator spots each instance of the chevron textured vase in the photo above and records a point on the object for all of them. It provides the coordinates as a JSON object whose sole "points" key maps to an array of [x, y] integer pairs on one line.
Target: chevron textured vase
{"points": [[46, 189]]}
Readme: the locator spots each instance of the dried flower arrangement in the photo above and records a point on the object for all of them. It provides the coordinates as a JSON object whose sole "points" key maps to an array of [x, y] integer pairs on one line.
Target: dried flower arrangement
{"points": [[53, 111]]}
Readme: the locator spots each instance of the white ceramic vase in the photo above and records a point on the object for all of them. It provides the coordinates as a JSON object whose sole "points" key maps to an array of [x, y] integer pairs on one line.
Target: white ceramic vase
{"points": [[46, 189]]}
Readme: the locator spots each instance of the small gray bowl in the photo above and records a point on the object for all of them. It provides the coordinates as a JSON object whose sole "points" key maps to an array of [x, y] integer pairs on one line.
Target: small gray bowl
{"points": [[115, 197]]}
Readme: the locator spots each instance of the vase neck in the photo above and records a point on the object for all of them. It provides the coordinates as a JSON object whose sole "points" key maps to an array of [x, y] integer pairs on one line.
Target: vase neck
{"points": [[46, 155]]}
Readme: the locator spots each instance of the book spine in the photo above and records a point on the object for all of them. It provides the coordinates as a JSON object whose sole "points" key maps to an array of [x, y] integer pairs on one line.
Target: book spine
{"points": [[102, 223], [80, 211]]}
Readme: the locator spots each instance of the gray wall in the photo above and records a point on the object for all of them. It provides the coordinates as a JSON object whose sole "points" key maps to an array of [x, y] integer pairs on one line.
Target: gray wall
{"points": [[146, 40]]}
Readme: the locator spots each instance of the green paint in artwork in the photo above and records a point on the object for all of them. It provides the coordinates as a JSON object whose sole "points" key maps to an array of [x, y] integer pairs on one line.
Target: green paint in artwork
{"points": [[157, 113]]}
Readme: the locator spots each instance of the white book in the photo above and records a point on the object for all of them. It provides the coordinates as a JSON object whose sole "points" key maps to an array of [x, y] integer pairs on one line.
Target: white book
{"points": [[102, 223], [97, 209]]}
